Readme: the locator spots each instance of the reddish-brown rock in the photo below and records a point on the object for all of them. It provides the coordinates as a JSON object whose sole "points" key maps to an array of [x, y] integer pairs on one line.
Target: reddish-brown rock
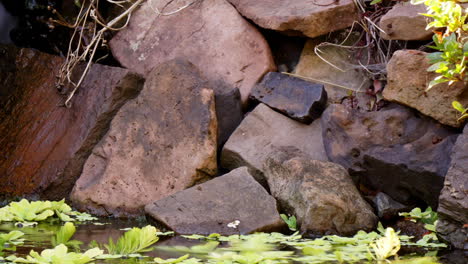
{"points": [[44, 145], [310, 18], [159, 143], [210, 34]]}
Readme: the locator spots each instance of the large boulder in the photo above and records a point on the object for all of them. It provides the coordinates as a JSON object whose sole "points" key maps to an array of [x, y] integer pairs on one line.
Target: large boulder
{"points": [[159, 143], [44, 144], [262, 131], [301, 100], [210, 33], [209, 207], [408, 79], [309, 18], [453, 200], [320, 194], [405, 22], [392, 150], [334, 68]]}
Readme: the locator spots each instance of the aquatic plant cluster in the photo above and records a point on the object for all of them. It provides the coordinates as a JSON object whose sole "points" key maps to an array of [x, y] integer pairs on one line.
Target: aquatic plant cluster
{"points": [[373, 247]]}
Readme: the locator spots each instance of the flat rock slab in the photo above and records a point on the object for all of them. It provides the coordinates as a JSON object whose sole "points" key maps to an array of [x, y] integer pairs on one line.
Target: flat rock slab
{"points": [[392, 150], [405, 22], [338, 82], [320, 194], [408, 79], [159, 143], [210, 33], [309, 18], [43, 144], [209, 207], [300, 100], [453, 200], [387, 208], [264, 130]]}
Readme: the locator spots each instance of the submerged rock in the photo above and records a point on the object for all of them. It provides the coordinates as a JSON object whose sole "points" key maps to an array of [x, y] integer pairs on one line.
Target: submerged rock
{"points": [[159, 143], [210, 33], [301, 100], [209, 207], [262, 131], [44, 144], [392, 150], [303, 17], [408, 79], [320, 194], [453, 200], [405, 22]]}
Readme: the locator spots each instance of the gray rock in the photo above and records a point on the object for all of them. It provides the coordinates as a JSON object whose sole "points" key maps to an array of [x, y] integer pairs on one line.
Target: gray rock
{"points": [[386, 207], [391, 150], [159, 143], [320, 194], [210, 33], [405, 22], [294, 17], [301, 100], [209, 207], [264, 130], [453, 200], [453, 232]]}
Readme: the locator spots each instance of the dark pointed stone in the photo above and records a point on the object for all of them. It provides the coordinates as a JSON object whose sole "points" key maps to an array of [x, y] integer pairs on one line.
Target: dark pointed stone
{"points": [[301, 100]]}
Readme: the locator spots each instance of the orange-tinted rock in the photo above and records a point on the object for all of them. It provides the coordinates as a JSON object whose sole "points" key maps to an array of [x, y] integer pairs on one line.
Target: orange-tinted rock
{"points": [[310, 18], [159, 143], [210, 34], [44, 145]]}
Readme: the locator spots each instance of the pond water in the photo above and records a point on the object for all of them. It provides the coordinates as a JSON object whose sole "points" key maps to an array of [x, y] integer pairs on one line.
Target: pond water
{"points": [[39, 238]]}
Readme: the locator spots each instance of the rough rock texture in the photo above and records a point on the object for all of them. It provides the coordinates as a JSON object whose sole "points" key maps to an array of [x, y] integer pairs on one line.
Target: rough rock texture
{"points": [[386, 207], [210, 33], [43, 144], [404, 22], [454, 232], [262, 131], [453, 200], [320, 194], [301, 100], [408, 79], [392, 150], [312, 68], [209, 207], [159, 143], [309, 18]]}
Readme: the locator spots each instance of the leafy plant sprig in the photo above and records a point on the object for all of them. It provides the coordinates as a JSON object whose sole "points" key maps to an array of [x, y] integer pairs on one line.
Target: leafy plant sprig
{"points": [[290, 221]]}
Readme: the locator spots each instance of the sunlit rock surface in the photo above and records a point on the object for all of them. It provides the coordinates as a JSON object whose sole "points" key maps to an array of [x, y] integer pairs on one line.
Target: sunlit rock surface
{"points": [[210, 33], [159, 143]]}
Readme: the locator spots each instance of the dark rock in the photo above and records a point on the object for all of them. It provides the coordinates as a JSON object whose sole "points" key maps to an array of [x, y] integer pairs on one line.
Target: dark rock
{"points": [[386, 207], [453, 232], [228, 110], [262, 131], [392, 150], [320, 194], [303, 17], [301, 100], [211, 34], [159, 143], [209, 207], [453, 200], [45, 145]]}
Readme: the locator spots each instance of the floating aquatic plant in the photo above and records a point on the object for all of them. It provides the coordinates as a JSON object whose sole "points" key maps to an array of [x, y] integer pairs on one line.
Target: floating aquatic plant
{"points": [[10, 240], [64, 235], [58, 255], [27, 212]]}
